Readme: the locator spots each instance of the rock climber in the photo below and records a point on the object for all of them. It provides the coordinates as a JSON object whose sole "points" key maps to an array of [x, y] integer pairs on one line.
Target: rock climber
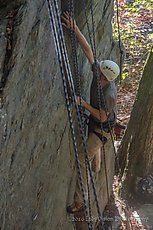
{"points": [[107, 71]]}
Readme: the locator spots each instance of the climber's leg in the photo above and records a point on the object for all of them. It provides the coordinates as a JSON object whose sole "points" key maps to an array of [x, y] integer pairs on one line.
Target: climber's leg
{"points": [[93, 146], [96, 162]]}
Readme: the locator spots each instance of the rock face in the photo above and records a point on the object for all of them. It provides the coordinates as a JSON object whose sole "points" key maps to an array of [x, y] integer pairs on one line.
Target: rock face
{"points": [[37, 165]]}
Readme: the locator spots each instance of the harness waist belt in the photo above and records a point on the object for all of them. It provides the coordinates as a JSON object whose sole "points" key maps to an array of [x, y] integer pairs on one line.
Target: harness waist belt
{"points": [[101, 137]]}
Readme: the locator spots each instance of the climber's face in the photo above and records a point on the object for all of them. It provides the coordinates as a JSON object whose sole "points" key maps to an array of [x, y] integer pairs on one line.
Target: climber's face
{"points": [[102, 77], [103, 80]]}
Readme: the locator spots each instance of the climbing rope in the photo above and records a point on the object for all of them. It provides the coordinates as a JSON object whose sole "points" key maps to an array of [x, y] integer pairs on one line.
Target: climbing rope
{"points": [[93, 30], [78, 81], [73, 41], [101, 99], [97, 81], [81, 129], [119, 38], [60, 59], [62, 44], [91, 5], [87, 23], [100, 92], [73, 45]]}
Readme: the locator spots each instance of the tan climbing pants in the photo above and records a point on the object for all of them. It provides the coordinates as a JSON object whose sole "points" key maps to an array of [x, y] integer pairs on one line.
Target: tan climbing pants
{"points": [[94, 149]]}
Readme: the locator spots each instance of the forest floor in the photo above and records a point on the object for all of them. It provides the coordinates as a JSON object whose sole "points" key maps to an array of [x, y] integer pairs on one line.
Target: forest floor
{"points": [[136, 28], [127, 213]]}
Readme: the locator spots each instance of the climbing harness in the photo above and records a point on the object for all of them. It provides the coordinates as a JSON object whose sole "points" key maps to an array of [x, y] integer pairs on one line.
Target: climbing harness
{"points": [[119, 131], [101, 137]]}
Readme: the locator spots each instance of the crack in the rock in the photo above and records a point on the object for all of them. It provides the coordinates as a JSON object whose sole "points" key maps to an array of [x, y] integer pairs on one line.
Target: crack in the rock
{"points": [[9, 47], [62, 135]]}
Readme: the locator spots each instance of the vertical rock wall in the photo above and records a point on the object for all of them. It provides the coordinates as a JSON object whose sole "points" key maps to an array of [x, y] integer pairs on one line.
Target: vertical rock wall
{"points": [[36, 155]]}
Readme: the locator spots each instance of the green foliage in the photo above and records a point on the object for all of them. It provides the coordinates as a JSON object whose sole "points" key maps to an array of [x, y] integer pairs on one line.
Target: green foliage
{"points": [[136, 29]]}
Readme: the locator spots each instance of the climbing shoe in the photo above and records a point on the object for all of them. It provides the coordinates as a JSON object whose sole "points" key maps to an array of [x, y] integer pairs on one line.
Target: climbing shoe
{"points": [[73, 208]]}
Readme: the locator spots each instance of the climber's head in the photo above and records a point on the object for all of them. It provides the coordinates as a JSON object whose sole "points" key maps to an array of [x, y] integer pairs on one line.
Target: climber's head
{"points": [[109, 69]]}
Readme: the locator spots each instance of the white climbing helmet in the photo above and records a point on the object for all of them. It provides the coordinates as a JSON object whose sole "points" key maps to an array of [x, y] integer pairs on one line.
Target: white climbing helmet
{"points": [[110, 69]]}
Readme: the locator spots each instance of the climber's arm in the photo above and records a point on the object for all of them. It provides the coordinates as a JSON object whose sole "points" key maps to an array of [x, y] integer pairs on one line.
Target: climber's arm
{"points": [[68, 22], [85, 45], [99, 115]]}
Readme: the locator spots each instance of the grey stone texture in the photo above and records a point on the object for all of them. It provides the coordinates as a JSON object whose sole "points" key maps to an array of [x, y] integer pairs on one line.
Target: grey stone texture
{"points": [[145, 215], [3, 43], [37, 166]]}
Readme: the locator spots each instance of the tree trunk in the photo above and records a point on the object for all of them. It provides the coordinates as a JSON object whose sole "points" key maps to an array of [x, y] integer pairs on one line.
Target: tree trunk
{"points": [[137, 145]]}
